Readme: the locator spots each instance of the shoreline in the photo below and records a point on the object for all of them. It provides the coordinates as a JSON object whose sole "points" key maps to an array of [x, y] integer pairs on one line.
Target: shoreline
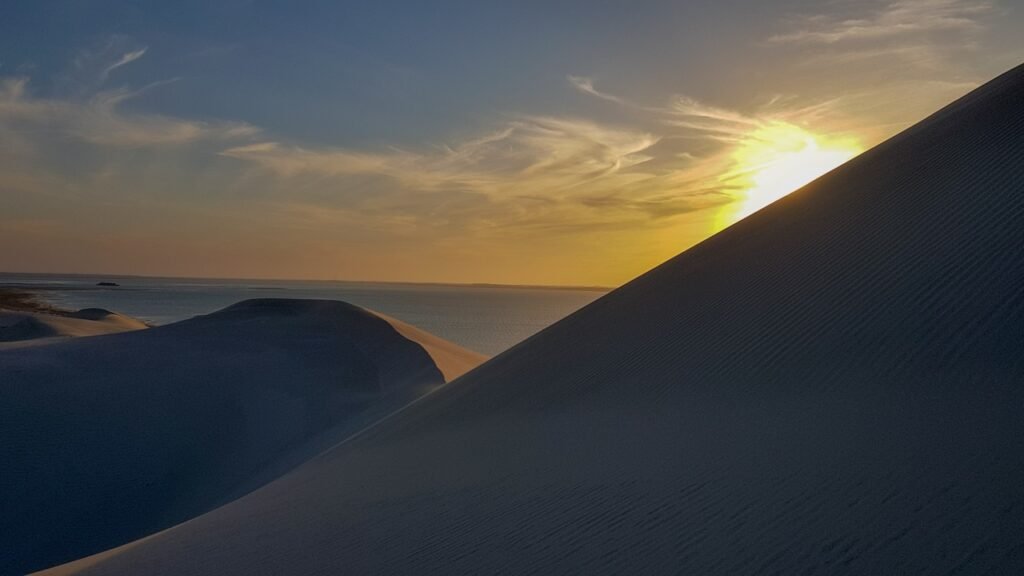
{"points": [[519, 313], [19, 300]]}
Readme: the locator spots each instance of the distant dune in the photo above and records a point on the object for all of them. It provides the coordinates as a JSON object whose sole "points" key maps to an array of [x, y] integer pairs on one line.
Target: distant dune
{"points": [[23, 328], [834, 385], [108, 438], [25, 320]]}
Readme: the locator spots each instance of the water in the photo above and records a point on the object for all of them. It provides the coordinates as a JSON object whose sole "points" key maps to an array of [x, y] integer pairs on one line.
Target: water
{"points": [[487, 319]]}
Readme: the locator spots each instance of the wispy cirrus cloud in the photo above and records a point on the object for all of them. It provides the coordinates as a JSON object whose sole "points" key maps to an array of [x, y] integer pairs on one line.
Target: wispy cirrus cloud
{"points": [[683, 110], [683, 116], [81, 109], [125, 59], [543, 172], [532, 171], [928, 34], [542, 155], [586, 85], [72, 155], [99, 119], [895, 19]]}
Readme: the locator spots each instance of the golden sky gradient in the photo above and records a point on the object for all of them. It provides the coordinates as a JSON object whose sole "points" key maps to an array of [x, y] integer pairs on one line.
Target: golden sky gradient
{"points": [[472, 159]]}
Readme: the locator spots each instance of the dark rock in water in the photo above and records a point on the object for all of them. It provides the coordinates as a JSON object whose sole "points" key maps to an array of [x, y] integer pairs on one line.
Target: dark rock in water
{"points": [[109, 284]]}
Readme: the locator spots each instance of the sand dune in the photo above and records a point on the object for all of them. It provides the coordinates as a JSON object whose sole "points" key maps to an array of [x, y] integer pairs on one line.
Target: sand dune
{"points": [[451, 359], [832, 386], [19, 328], [109, 438]]}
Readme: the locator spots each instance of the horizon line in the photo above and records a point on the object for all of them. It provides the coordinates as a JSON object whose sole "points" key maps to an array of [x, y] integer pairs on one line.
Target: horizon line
{"points": [[591, 288]]}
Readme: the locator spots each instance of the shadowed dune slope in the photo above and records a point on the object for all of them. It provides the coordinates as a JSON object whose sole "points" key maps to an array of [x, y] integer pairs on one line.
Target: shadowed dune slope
{"points": [[832, 386], [109, 438]]}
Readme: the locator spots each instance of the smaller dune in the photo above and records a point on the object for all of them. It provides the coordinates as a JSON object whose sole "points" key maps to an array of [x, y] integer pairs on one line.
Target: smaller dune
{"points": [[109, 439], [19, 328]]}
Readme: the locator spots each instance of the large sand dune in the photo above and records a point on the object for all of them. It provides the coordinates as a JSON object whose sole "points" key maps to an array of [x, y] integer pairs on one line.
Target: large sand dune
{"points": [[833, 386], [105, 439]]}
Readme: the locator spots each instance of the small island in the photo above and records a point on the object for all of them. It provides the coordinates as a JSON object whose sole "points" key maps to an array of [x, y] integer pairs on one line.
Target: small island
{"points": [[108, 284]]}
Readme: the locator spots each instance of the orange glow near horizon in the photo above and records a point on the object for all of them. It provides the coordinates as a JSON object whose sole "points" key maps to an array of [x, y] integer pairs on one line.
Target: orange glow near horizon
{"points": [[777, 159]]}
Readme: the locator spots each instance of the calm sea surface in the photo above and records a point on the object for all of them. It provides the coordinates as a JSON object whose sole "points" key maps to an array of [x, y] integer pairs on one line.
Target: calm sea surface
{"points": [[483, 318]]}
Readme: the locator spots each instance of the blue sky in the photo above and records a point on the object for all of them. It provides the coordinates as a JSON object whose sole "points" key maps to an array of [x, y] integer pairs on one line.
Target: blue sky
{"points": [[520, 142], [346, 73]]}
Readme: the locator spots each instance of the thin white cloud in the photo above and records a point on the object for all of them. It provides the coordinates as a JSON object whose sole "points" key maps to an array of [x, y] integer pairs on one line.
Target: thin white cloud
{"points": [[894, 20], [99, 120], [78, 110], [111, 98], [586, 85], [536, 172], [683, 112], [686, 106], [126, 58], [555, 154], [542, 172]]}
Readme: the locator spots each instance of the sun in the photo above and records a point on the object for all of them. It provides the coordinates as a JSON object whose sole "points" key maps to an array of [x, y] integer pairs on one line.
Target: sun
{"points": [[776, 159]]}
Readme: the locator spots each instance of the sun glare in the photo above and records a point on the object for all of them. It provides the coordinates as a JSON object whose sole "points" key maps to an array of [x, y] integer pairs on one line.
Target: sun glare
{"points": [[777, 159]]}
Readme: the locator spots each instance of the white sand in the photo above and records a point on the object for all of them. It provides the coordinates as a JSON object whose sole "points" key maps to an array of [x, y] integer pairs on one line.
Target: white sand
{"points": [[452, 359], [33, 328], [833, 386], [108, 438]]}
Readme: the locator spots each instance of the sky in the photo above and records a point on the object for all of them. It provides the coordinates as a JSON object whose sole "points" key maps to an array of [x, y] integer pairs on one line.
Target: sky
{"points": [[557, 142]]}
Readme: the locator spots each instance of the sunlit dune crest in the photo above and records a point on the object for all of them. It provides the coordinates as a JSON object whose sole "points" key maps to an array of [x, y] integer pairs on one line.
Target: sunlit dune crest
{"points": [[777, 159]]}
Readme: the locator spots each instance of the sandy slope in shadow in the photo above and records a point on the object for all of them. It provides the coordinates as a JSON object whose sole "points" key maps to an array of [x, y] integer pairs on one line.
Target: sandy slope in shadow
{"points": [[111, 437]]}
